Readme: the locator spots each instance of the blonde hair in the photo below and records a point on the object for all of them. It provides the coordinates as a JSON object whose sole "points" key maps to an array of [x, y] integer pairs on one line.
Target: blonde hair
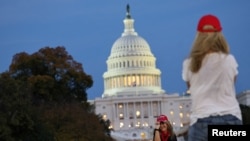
{"points": [[204, 43]]}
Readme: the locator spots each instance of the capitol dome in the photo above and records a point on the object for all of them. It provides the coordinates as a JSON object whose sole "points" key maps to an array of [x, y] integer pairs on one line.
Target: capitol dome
{"points": [[131, 66], [130, 45]]}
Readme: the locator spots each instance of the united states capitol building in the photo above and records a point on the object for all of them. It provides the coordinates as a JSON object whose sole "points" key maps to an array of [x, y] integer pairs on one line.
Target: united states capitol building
{"points": [[133, 96]]}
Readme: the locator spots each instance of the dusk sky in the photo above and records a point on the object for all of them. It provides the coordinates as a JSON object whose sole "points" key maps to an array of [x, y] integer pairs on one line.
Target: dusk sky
{"points": [[88, 29]]}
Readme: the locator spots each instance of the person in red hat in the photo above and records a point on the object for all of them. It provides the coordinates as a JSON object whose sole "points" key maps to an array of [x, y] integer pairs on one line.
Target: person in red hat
{"points": [[210, 72], [163, 130]]}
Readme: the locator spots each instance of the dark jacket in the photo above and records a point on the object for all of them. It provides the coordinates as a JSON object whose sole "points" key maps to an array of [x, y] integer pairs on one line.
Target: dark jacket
{"points": [[171, 138]]}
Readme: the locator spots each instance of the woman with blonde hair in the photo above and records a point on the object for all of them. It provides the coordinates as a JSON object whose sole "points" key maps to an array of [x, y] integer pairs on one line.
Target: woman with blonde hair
{"points": [[210, 72], [164, 130]]}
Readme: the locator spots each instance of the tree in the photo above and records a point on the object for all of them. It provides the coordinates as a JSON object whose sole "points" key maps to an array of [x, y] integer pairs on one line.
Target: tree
{"points": [[52, 74], [245, 111], [43, 97], [17, 119], [106, 124], [72, 121]]}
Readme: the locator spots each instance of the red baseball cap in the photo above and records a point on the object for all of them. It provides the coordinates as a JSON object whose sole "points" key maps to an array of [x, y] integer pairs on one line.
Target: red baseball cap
{"points": [[209, 20], [162, 118]]}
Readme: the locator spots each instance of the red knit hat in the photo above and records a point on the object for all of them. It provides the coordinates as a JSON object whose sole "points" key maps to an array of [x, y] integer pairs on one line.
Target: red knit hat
{"points": [[209, 20], [162, 118]]}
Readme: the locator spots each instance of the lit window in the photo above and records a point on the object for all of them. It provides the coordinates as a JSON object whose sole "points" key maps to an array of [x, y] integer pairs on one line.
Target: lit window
{"points": [[143, 135], [181, 115], [121, 115], [120, 106], [138, 113], [145, 124], [121, 124], [104, 116], [171, 112]]}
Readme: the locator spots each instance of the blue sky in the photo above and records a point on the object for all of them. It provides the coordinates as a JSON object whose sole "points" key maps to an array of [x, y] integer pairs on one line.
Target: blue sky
{"points": [[88, 29]]}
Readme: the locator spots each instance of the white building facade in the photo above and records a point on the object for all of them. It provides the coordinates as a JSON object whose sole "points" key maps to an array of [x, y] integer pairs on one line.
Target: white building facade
{"points": [[244, 97], [133, 96]]}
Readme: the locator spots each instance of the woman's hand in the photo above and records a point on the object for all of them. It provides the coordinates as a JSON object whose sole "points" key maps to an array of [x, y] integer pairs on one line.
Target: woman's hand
{"points": [[157, 133], [157, 125]]}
